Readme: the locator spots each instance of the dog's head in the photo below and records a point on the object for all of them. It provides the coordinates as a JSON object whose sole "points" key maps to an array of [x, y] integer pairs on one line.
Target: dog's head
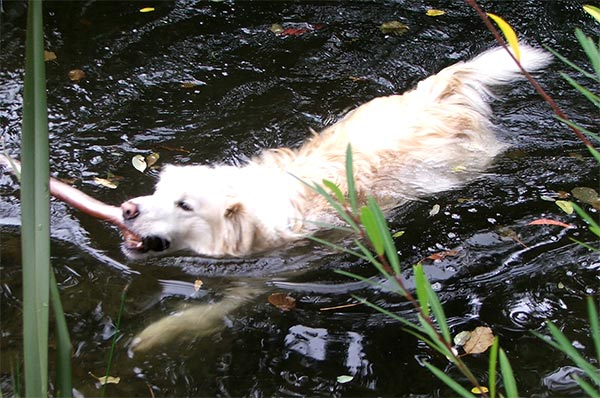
{"points": [[193, 208]]}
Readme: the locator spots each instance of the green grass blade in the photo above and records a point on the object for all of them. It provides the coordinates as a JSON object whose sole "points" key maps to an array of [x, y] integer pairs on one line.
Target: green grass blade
{"points": [[35, 209], [336, 191], [420, 285], [578, 127], [590, 49], [593, 98], [493, 364], [587, 387], [114, 340], [350, 180], [593, 226], [572, 65], [595, 153], [508, 377], [368, 221], [593, 315], [564, 345], [337, 247], [384, 232], [438, 311], [63, 348], [460, 390]]}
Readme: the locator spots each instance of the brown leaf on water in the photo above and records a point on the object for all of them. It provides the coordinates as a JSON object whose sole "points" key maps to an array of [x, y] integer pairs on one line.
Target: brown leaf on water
{"points": [[481, 339], [152, 159], [49, 56], [76, 75], [443, 255], [585, 194], [198, 284], [282, 301]]}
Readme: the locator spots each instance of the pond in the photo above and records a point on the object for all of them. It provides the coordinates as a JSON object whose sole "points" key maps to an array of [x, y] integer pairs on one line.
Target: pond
{"points": [[210, 82]]}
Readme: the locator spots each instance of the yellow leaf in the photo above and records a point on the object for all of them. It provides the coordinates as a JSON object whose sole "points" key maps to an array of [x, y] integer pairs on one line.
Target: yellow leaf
{"points": [[147, 9], [565, 206], [434, 13], [105, 182], [106, 379], [480, 390], [509, 34], [198, 284], [593, 11]]}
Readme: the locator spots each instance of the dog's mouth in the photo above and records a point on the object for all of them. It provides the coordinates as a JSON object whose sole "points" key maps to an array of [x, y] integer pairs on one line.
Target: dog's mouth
{"points": [[143, 244]]}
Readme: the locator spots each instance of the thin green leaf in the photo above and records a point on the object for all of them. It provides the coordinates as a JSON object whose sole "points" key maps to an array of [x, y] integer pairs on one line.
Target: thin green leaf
{"points": [[595, 153], [564, 345], [460, 390], [593, 226], [390, 278], [63, 347], [358, 277], [590, 49], [114, 340], [35, 209], [338, 247], [324, 225], [336, 191], [435, 336], [493, 364], [438, 312], [593, 98], [338, 208], [572, 65], [589, 247], [373, 233], [350, 180], [594, 325], [388, 241], [587, 387], [578, 127], [420, 282], [396, 317], [510, 384]]}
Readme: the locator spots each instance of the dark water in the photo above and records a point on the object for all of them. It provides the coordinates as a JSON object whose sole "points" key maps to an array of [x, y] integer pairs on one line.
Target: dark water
{"points": [[254, 89]]}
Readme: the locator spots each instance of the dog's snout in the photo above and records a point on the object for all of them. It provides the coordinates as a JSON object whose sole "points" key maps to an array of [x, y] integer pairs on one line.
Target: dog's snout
{"points": [[130, 210]]}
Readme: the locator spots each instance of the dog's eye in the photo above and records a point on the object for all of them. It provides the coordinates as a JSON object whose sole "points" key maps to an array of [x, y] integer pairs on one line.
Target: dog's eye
{"points": [[183, 206]]}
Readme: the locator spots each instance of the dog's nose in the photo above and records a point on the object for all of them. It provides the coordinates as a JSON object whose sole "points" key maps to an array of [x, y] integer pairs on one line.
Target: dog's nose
{"points": [[130, 210]]}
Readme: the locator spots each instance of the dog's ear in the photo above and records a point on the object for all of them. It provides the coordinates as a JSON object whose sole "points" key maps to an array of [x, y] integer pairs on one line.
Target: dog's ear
{"points": [[234, 210]]}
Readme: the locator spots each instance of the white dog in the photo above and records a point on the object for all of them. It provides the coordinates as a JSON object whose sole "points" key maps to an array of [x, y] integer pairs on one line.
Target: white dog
{"points": [[427, 140]]}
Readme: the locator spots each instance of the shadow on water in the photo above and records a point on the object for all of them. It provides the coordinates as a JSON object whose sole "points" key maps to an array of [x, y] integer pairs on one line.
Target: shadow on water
{"points": [[203, 82]]}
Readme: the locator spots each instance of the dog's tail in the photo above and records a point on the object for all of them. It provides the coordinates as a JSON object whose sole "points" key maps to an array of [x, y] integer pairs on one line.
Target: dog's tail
{"points": [[471, 80]]}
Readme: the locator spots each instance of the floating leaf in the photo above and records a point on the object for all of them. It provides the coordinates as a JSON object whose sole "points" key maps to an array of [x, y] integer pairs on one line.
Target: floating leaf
{"points": [[294, 31], [547, 198], [459, 169], [434, 210], [565, 206], [461, 338], [198, 284], [49, 56], [481, 339], [443, 255], [152, 159], [396, 28], [106, 379], [189, 85], [147, 9], [276, 28], [344, 379], [398, 234], [585, 194], [593, 11], [464, 200], [480, 390], [547, 221], [435, 13], [139, 163], [282, 301], [509, 34], [76, 75], [105, 182]]}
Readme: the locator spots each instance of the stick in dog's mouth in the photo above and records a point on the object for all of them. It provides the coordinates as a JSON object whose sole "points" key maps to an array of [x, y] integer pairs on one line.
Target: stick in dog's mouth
{"points": [[97, 209]]}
